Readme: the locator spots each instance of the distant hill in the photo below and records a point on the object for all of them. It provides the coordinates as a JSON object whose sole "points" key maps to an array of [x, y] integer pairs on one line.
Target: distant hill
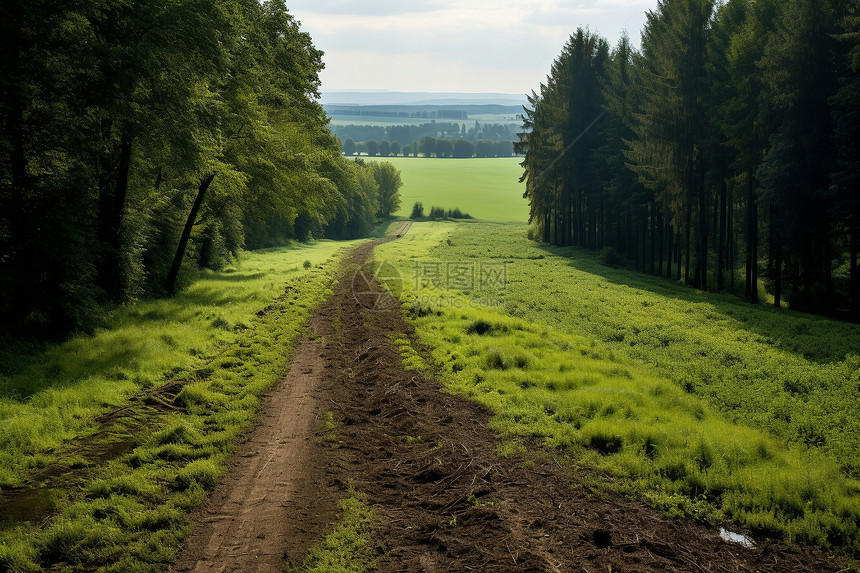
{"points": [[407, 117], [389, 98], [426, 111]]}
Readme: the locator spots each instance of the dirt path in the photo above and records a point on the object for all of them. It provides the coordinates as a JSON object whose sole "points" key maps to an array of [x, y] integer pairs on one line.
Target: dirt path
{"points": [[241, 525], [443, 499]]}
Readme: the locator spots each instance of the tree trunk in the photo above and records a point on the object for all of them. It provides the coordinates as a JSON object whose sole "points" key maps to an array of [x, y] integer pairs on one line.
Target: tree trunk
{"points": [[170, 283], [752, 242], [687, 243], [653, 219], [670, 249], [18, 168], [754, 271], [855, 271], [662, 226], [112, 197], [777, 270], [702, 263], [644, 240], [547, 223], [627, 237], [730, 236], [721, 237], [827, 252]]}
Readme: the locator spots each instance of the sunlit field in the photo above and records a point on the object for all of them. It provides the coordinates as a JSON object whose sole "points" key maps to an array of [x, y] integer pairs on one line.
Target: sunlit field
{"points": [[702, 404], [486, 189], [225, 340]]}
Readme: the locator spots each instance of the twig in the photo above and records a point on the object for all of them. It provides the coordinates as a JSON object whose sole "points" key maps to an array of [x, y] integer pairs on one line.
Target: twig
{"points": [[511, 553]]}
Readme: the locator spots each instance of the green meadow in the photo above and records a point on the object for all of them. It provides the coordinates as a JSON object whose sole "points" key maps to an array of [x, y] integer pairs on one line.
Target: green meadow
{"points": [[699, 403], [121, 504], [484, 188], [340, 120]]}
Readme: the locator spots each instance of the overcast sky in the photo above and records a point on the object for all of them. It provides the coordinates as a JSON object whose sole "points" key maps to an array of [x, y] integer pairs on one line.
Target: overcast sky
{"points": [[502, 46]]}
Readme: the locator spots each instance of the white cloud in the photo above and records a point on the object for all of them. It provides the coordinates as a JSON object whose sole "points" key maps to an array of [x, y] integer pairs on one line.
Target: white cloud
{"points": [[419, 72], [501, 42], [373, 7]]}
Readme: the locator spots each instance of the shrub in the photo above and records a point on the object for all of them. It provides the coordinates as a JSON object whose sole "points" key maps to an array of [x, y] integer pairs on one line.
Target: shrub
{"points": [[441, 213], [417, 211]]}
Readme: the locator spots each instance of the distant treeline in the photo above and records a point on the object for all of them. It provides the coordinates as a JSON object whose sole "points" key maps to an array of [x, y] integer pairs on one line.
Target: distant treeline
{"points": [[407, 134], [437, 213], [142, 140], [434, 114], [431, 147], [730, 142], [423, 111]]}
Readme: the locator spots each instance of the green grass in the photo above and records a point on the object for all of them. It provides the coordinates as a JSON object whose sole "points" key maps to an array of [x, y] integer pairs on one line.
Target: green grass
{"points": [[702, 404], [346, 547], [484, 188], [232, 333], [341, 120], [54, 395]]}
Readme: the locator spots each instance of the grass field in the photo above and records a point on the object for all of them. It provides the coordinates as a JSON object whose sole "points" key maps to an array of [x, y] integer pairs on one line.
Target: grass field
{"points": [[340, 120], [227, 339], [487, 189], [700, 403]]}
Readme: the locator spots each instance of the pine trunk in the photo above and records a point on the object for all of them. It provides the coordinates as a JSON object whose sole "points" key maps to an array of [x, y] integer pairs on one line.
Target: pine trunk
{"points": [[721, 237], [702, 263], [670, 250], [687, 244], [752, 242], [855, 271]]}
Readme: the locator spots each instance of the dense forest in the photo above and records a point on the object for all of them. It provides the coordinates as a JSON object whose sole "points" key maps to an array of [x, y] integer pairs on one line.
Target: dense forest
{"points": [[431, 147], [439, 139], [138, 136], [729, 144], [409, 134]]}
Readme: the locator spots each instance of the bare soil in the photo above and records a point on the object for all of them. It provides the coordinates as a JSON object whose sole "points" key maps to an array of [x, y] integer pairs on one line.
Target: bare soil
{"points": [[443, 499]]}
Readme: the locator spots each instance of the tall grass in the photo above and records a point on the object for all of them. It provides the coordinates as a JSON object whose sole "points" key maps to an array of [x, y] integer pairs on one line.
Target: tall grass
{"points": [[129, 513], [52, 396], [346, 547], [703, 405]]}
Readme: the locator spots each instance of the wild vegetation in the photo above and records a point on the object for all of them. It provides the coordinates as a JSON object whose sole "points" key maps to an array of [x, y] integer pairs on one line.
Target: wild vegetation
{"points": [[116, 497], [169, 182], [142, 140], [731, 135], [346, 547], [704, 405]]}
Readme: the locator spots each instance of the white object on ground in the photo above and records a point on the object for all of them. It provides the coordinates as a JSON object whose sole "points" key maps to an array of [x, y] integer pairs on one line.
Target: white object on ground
{"points": [[733, 537]]}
